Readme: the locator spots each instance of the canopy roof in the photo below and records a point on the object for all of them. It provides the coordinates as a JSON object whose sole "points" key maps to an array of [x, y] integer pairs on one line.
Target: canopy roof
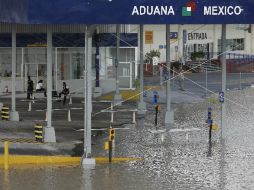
{"points": [[127, 11]]}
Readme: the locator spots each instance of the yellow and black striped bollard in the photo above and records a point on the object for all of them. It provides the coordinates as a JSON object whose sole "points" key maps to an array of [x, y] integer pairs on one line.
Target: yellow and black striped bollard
{"points": [[38, 132], [5, 113]]}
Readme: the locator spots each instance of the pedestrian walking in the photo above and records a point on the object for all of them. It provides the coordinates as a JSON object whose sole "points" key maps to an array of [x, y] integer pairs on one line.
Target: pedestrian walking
{"points": [[65, 92], [181, 79], [30, 88]]}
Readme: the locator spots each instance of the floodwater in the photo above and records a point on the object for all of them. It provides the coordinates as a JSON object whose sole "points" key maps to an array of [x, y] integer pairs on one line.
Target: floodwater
{"points": [[171, 160]]}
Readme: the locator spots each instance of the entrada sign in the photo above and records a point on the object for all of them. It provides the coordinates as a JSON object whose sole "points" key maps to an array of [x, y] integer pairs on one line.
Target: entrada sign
{"points": [[197, 36]]}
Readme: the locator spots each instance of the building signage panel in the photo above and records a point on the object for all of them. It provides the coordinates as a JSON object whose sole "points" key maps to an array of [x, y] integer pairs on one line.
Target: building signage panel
{"points": [[199, 37], [148, 37], [127, 11]]}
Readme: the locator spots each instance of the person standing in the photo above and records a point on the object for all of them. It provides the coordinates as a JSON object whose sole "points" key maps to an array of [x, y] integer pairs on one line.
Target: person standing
{"points": [[65, 92], [30, 88]]}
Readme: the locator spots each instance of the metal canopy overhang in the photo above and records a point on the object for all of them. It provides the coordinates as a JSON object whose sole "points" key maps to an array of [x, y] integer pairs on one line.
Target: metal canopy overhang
{"points": [[127, 11]]}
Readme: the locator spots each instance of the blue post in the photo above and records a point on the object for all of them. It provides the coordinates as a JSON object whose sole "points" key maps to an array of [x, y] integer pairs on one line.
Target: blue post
{"points": [[155, 97]]}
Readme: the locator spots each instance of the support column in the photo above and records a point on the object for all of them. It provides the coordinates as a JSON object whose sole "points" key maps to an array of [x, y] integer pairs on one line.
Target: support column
{"points": [[224, 74], [141, 104], [117, 97], [87, 161], [49, 131], [179, 42], [14, 115], [184, 53], [215, 42], [169, 115]]}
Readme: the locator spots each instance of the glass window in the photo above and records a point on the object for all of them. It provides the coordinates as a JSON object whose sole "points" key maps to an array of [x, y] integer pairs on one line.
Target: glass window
{"points": [[232, 44]]}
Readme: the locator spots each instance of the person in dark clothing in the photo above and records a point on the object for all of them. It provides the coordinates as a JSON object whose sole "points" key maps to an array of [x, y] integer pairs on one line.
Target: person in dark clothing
{"points": [[30, 88], [65, 92]]}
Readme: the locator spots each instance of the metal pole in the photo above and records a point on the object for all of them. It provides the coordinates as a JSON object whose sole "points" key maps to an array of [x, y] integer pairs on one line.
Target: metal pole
{"points": [[56, 69], [206, 82], [49, 135], [223, 61], [14, 116], [37, 73], [173, 80], [240, 80], [117, 97], [161, 79], [142, 104], [89, 97], [156, 115], [25, 79], [110, 151], [22, 69], [184, 48], [169, 116], [13, 84], [85, 94]]}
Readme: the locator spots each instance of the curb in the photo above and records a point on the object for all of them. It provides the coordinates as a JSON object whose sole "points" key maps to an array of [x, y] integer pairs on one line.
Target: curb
{"points": [[63, 160]]}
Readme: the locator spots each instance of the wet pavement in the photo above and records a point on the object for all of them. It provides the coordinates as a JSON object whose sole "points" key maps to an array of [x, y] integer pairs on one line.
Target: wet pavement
{"points": [[171, 160]]}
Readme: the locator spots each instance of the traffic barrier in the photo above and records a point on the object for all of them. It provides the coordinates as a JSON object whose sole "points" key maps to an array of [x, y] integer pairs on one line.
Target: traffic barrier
{"points": [[5, 113], [134, 117], [69, 115], [46, 118], [30, 106], [38, 132], [70, 102]]}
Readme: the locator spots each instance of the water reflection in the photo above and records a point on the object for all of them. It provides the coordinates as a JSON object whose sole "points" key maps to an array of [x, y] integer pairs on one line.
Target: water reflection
{"points": [[86, 179], [6, 184], [169, 160], [222, 175]]}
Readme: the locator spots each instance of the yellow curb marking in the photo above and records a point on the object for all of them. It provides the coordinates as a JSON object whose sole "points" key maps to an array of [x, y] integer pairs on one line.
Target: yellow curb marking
{"points": [[19, 140], [18, 159]]}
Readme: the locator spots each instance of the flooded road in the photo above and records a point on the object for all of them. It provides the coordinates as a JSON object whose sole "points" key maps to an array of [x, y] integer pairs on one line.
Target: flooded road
{"points": [[171, 160]]}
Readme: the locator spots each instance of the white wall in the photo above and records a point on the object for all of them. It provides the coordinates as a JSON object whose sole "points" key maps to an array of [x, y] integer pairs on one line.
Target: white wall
{"points": [[213, 34]]}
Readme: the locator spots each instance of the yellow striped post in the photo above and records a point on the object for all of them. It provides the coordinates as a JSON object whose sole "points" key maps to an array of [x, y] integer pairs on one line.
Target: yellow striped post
{"points": [[6, 155], [38, 132], [5, 113]]}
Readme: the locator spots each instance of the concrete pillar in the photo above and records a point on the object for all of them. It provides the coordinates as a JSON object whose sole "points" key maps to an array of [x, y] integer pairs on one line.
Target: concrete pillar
{"points": [[141, 104], [215, 42], [179, 42], [247, 45], [87, 161], [14, 115], [169, 115], [49, 131], [117, 97]]}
